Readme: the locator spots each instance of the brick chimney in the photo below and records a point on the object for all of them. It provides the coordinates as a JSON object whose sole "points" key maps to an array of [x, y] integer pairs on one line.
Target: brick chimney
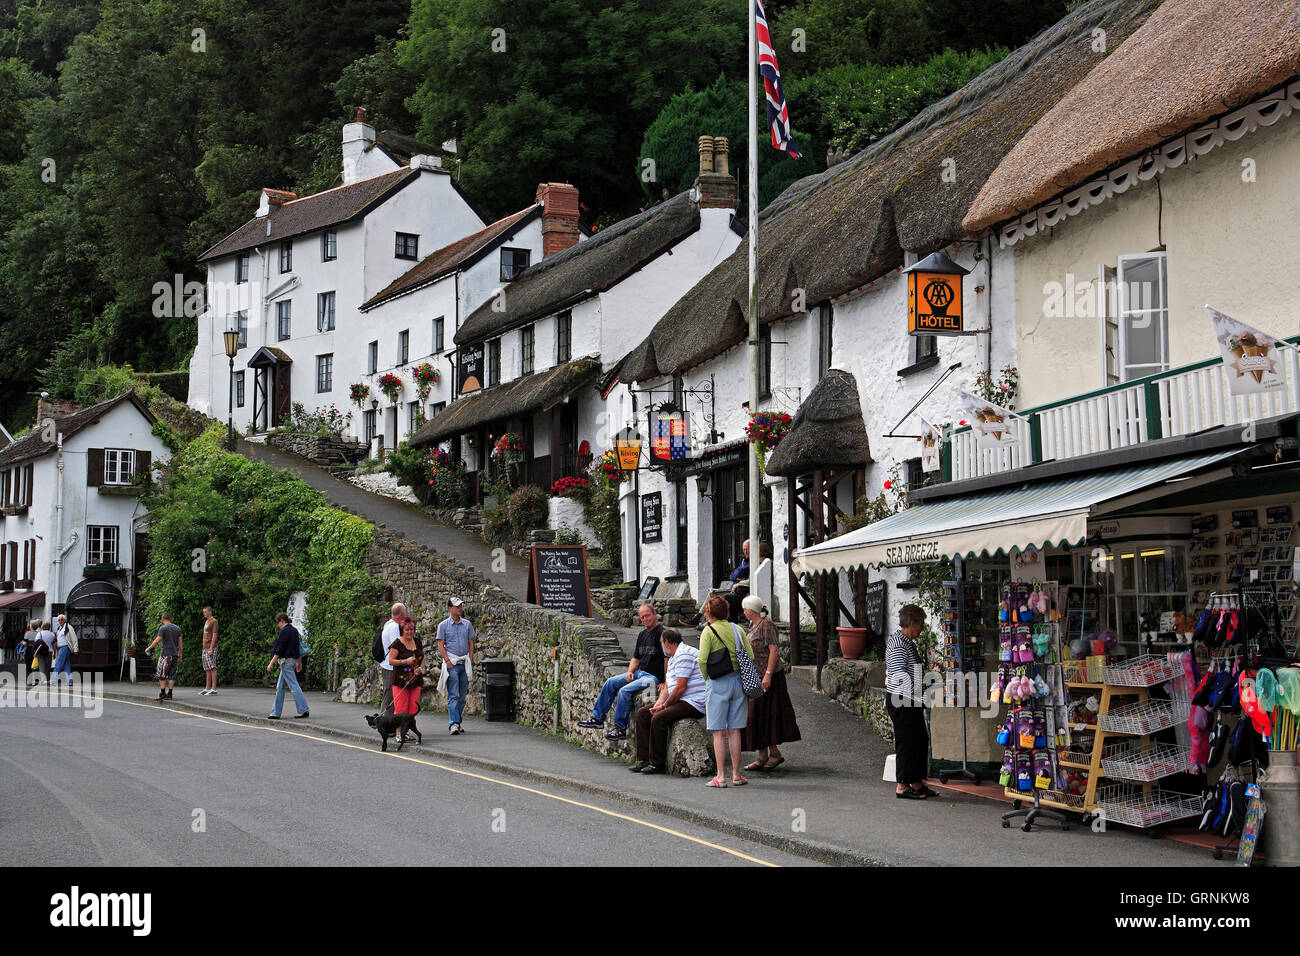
{"points": [[273, 199], [716, 186], [559, 216], [55, 408]]}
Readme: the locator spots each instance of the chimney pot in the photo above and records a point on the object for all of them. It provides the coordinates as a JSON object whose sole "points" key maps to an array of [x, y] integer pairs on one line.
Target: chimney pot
{"points": [[706, 154], [721, 156], [361, 114]]}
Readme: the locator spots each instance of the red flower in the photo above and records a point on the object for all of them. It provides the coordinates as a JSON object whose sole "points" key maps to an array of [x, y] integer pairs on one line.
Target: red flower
{"points": [[888, 485], [962, 422]]}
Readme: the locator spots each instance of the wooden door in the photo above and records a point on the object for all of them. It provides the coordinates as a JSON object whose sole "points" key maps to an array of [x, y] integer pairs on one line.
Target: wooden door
{"points": [[282, 398]]}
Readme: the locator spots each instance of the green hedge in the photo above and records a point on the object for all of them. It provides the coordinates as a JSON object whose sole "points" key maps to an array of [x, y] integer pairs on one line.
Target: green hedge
{"points": [[241, 536]]}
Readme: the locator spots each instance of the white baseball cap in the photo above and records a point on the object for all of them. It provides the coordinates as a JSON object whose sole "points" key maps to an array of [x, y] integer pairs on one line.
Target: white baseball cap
{"points": [[455, 602]]}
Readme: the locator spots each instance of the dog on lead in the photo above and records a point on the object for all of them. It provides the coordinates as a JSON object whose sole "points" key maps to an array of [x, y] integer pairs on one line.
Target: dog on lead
{"points": [[400, 726]]}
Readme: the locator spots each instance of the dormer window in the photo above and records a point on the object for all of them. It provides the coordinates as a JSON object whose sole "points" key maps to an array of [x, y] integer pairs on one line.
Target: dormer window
{"points": [[406, 246]]}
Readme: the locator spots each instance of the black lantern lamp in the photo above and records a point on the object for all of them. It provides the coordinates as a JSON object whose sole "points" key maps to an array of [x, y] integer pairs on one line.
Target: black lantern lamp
{"points": [[231, 336]]}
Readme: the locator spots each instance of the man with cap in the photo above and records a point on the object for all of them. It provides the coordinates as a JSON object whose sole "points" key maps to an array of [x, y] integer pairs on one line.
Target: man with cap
{"points": [[456, 648]]}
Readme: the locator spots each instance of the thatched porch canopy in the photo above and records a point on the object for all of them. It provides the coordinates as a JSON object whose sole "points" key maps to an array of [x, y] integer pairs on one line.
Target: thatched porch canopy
{"points": [[827, 431]]}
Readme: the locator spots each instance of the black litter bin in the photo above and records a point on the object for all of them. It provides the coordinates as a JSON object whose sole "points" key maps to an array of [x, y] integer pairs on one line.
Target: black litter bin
{"points": [[499, 688]]}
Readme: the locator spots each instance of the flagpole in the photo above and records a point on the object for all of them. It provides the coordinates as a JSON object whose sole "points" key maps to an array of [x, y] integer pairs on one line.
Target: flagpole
{"points": [[755, 491]]}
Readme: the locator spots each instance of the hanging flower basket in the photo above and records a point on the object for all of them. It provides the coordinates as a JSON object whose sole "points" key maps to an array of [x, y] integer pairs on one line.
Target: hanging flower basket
{"points": [[425, 377], [606, 469], [765, 431], [509, 448], [359, 393], [391, 386]]}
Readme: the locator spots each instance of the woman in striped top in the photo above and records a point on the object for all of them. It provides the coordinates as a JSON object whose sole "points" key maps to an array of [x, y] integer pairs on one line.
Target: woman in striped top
{"points": [[903, 668]]}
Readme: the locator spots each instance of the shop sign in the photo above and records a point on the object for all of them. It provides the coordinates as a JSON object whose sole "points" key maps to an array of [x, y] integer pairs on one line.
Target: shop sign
{"points": [[993, 425], [670, 436], [934, 304], [1250, 356], [469, 368], [627, 445], [1280, 514], [914, 552], [1246, 518], [1205, 523]]}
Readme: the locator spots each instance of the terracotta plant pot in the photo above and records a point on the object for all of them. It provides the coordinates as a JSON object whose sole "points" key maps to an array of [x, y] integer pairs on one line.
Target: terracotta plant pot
{"points": [[853, 641]]}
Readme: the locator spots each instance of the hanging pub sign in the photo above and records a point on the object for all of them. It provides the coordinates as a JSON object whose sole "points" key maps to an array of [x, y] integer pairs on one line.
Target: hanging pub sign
{"points": [[627, 445], [670, 435], [1249, 356], [934, 298], [469, 368], [993, 425]]}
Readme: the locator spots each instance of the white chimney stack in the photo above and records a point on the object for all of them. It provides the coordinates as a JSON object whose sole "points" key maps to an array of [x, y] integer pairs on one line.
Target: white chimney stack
{"points": [[358, 137]]}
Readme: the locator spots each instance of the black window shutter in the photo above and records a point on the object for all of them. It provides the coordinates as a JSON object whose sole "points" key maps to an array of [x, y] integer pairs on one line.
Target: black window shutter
{"points": [[94, 467], [143, 463], [30, 473]]}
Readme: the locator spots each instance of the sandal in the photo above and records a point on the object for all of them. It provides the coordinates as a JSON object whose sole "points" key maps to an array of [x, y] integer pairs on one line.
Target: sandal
{"points": [[925, 791], [755, 766], [738, 781], [772, 766], [909, 795], [717, 782]]}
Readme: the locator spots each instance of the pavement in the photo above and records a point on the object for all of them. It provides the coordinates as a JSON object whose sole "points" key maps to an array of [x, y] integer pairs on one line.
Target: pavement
{"points": [[827, 803], [399, 517]]}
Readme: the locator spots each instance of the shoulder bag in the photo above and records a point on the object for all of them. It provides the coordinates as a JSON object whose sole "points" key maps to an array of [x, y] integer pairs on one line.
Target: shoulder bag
{"points": [[749, 679], [718, 663]]}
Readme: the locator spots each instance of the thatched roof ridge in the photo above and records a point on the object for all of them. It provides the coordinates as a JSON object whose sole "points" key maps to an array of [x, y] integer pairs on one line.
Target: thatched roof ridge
{"points": [[589, 267], [519, 396], [1190, 61], [848, 225], [827, 431]]}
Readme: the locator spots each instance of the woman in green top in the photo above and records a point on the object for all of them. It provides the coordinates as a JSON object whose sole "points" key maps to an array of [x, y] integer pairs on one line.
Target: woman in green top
{"points": [[725, 707]]}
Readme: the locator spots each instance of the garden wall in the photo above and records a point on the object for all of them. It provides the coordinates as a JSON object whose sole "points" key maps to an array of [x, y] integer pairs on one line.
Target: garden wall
{"points": [[322, 449]]}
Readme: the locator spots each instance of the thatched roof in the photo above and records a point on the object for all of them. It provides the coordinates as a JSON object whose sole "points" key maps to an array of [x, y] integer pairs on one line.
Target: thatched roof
{"points": [[832, 232], [591, 266], [530, 393], [1191, 61], [827, 431], [460, 254], [331, 207]]}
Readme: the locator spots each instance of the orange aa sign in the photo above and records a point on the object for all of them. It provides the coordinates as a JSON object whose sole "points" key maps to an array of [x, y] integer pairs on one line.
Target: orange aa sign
{"points": [[934, 296]]}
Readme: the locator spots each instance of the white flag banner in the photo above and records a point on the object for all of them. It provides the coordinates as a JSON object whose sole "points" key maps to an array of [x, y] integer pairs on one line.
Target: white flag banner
{"points": [[931, 442], [994, 426], [1249, 355]]}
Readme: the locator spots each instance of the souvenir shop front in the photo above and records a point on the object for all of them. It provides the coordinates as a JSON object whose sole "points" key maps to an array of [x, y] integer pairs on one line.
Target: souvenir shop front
{"points": [[1136, 630]]}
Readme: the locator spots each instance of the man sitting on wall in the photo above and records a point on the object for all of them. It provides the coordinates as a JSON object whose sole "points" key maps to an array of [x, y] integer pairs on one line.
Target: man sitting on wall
{"points": [[644, 670], [681, 697]]}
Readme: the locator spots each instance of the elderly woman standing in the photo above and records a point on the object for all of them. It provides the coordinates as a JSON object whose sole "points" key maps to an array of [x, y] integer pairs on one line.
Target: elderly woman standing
{"points": [[724, 698], [903, 669], [771, 717]]}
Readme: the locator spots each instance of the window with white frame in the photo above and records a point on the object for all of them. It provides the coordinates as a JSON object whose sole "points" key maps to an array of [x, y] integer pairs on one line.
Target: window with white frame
{"points": [[101, 544], [325, 373], [403, 346], [528, 349], [368, 424], [329, 245], [1143, 315], [372, 358], [119, 466], [494, 362], [437, 335], [241, 268], [563, 337], [286, 255], [412, 417], [241, 323], [283, 319], [325, 312]]}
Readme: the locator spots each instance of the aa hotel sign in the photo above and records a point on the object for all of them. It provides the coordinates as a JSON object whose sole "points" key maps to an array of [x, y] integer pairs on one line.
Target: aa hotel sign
{"points": [[934, 299]]}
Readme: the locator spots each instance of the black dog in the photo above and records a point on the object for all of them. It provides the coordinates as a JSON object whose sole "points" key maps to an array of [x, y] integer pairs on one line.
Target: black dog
{"points": [[399, 725]]}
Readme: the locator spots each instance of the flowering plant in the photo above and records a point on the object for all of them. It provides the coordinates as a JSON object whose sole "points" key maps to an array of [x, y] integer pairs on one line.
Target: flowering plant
{"points": [[425, 377], [1001, 390], [606, 468], [509, 447], [359, 393], [765, 431], [569, 487], [391, 386]]}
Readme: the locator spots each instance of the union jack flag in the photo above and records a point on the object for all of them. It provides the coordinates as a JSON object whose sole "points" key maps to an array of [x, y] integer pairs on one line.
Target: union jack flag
{"points": [[778, 116]]}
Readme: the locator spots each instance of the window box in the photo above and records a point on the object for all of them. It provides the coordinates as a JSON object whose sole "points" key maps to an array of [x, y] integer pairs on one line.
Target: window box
{"points": [[23, 584], [11, 511], [6, 587], [105, 570], [123, 491]]}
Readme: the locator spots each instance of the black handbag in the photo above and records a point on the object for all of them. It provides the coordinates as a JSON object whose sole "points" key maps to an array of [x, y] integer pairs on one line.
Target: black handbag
{"points": [[718, 663]]}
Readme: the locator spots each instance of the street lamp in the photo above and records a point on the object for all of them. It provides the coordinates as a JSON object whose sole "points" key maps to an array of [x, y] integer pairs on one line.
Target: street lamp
{"points": [[232, 346]]}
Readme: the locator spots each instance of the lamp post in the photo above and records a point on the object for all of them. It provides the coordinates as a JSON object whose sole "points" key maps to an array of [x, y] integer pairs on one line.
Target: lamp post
{"points": [[232, 346]]}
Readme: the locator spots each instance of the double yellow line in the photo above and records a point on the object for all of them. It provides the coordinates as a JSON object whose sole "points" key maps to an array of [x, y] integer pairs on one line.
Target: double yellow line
{"points": [[456, 770]]}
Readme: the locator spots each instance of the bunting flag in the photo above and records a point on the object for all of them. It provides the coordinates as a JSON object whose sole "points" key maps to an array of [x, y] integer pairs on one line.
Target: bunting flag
{"points": [[994, 426], [1250, 356], [778, 116]]}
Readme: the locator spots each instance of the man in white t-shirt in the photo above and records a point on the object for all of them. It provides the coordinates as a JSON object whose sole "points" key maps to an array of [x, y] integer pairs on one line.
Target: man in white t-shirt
{"points": [[681, 697], [392, 631]]}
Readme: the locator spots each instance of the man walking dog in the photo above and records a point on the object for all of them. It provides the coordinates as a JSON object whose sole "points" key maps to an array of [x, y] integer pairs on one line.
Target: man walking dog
{"points": [[456, 647]]}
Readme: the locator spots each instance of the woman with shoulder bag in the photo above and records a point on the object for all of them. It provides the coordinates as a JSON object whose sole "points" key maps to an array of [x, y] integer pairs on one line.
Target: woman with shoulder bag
{"points": [[406, 654], [771, 716], [725, 707]]}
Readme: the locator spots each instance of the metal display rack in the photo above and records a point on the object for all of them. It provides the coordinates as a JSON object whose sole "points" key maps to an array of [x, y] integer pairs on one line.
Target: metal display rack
{"points": [[963, 634]]}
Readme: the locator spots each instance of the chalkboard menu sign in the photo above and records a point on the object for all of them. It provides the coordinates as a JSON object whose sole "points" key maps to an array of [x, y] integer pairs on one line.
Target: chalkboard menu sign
{"points": [[876, 608], [557, 578], [652, 518], [647, 590]]}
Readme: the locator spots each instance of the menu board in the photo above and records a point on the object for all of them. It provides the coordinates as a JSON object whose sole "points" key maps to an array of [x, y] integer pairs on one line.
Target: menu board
{"points": [[876, 608], [557, 579], [652, 518]]}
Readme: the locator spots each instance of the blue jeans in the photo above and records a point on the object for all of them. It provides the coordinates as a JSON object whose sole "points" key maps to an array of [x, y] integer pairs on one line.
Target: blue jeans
{"points": [[63, 663], [625, 691], [457, 688], [289, 678]]}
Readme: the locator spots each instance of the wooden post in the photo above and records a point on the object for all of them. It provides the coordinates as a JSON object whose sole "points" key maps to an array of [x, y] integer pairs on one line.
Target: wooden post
{"points": [[819, 534], [860, 575], [796, 646]]}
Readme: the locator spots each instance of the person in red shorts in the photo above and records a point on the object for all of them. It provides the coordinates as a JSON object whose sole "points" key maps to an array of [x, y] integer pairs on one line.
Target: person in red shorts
{"points": [[407, 657]]}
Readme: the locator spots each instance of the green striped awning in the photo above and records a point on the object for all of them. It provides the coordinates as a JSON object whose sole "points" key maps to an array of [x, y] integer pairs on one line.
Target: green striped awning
{"points": [[1052, 512]]}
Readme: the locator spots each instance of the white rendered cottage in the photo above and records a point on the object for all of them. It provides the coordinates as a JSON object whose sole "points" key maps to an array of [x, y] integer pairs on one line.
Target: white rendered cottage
{"points": [[73, 528], [293, 279]]}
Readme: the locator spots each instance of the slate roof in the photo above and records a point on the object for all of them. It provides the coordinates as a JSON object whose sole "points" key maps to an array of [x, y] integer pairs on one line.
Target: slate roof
{"points": [[592, 266], [1191, 61], [831, 232], [529, 393], [32, 445], [331, 207], [460, 254]]}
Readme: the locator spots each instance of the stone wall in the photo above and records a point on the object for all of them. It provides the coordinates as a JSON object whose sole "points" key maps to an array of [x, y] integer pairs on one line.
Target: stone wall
{"points": [[318, 448], [588, 651]]}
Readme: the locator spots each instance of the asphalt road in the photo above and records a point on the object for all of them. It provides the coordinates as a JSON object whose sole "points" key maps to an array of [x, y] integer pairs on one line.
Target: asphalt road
{"points": [[131, 787]]}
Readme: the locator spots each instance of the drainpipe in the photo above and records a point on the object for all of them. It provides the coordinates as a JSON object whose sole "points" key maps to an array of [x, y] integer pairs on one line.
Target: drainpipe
{"points": [[988, 304], [57, 590], [555, 682]]}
